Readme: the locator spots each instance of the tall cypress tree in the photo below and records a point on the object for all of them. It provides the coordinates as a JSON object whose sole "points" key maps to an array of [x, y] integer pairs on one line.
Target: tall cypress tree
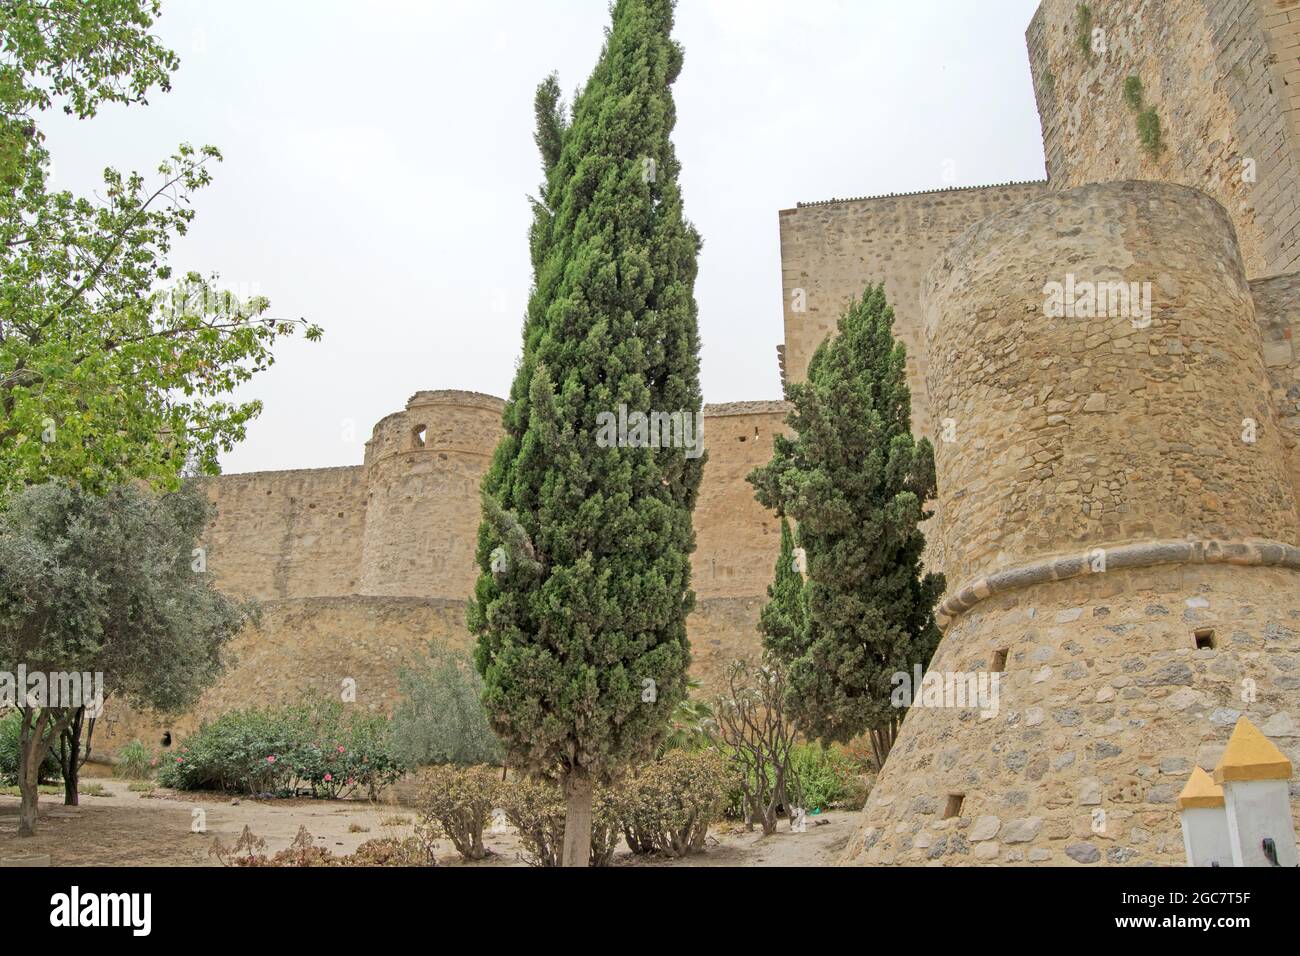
{"points": [[580, 609], [856, 483]]}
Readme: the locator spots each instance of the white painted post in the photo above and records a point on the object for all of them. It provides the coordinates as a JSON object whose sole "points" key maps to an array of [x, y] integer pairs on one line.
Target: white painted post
{"points": [[1254, 775], [1205, 822]]}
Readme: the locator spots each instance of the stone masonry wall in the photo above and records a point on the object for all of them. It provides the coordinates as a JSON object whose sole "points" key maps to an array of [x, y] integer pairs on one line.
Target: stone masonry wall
{"points": [[1105, 706], [1224, 77], [1277, 307], [1098, 509], [424, 466], [833, 250], [361, 567], [1076, 433], [287, 534], [736, 538]]}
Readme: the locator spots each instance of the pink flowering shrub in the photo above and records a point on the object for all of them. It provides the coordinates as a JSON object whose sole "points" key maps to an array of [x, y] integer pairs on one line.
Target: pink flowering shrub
{"points": [[321, 747]]}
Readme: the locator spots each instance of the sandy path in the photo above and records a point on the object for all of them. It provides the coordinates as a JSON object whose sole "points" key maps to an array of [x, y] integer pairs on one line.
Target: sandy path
{"points": [[126, 828]]}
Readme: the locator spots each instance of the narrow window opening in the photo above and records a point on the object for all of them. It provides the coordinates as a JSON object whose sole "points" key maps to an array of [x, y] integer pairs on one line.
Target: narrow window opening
{"points": [[418, 434], [953, 809], [999, 661], [1204, 638], [166, 738]]}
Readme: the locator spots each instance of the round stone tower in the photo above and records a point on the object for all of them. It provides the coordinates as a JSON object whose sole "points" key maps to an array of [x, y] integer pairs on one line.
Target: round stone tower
{"points": [[423, 469], [1118, 529]]}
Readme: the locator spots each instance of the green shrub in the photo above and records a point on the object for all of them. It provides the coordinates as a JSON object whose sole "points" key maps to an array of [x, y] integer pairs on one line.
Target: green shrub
{"points": [[135, 761], [440, 717], [10, 731], [668, 806], [318, 744], [457, 802], [821, 778], [826, 776]]}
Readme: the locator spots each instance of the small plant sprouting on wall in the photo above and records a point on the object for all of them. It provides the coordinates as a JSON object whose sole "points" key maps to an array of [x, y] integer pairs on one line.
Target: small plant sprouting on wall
{"points": [[1047, 84], [1133, 93], [1083, 29], [1148, 120], [1148, 123]]}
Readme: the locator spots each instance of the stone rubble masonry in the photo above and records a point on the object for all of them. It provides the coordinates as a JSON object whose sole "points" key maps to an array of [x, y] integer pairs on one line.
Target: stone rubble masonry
{"points": [[1224, 78], [358, 569], [1106, 700]]}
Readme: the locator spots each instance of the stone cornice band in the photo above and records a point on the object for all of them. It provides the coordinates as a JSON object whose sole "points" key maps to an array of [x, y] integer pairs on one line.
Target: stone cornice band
{"points": [[1143, 554]]}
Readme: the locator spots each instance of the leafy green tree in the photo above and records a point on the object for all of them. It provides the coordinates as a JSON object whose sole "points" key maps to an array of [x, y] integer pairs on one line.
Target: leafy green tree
{"points": [[581, 606], [109, 369], [106, 584], [440, 717], [856, 482], [783, 617]]}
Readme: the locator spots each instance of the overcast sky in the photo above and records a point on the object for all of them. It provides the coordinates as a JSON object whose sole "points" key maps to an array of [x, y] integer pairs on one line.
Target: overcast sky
{"points": [[378, 156]]}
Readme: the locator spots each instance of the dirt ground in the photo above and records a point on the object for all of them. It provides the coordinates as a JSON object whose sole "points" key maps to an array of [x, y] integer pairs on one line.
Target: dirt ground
{"points": [[126, 828]]}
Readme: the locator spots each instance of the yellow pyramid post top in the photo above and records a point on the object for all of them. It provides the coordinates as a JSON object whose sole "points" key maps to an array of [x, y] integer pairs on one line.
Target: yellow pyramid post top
{"points": [[1251, 756], [1200, 791]]}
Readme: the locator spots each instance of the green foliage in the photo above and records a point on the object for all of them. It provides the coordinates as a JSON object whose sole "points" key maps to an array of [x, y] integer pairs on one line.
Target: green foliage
{"points": [[783, 619], [1133, 92], [106, 583], [668, 806], [9, 753], [593, 599], [135, 761], [1083, 29], [823, 777], [692, 725], [855, 481], [457, 803], [76, 55], [110, 370], [440, 716], [828, 778], [320, 744], [1148, 127]]}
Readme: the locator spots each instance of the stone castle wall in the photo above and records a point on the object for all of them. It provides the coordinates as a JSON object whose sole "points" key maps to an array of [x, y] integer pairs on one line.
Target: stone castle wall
{"points": [[1099, 508], [831, 251], [358, 569], [1277, 307], [1224, 78]]}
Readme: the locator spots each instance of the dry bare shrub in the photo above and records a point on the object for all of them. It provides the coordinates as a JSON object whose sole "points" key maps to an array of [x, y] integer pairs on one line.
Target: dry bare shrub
{"points": [[249, 851], [388, 851], [536, 809], [458, 801], [668, 806]]}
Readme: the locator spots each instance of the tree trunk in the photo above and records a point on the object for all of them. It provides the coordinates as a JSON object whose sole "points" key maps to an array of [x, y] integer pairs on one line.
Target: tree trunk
{"points": [[70, 759], [71, 777], [579, 790], [31, 751]]}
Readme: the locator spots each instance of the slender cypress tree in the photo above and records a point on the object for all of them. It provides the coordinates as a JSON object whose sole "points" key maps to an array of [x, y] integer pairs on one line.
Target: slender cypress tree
{"points": [[580, 608], [856, 483]]}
